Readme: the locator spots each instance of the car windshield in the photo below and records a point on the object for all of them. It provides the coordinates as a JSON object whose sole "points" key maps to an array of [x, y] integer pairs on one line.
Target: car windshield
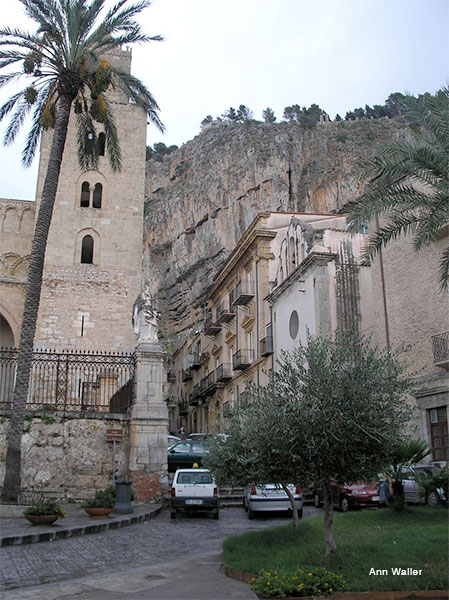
{"points": [[194, 478], [426, 471], [184, 448], [197, 448]]}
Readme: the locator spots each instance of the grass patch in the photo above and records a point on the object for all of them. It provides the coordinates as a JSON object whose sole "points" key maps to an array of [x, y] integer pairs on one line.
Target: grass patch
{"points": [[365, 540]]}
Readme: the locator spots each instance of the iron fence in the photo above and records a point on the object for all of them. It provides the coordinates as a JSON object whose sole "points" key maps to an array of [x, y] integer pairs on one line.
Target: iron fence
{"points": [[72, 381]]}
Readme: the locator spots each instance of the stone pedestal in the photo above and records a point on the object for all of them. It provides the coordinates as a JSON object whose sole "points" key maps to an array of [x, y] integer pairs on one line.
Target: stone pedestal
{"points": [[149, 426]]}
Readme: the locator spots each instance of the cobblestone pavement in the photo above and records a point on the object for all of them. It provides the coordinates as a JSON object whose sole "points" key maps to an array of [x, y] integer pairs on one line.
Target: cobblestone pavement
{"points": [[158, 540]]}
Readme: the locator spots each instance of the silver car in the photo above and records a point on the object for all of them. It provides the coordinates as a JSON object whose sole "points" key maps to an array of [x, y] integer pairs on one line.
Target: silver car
{"points": [[271, 498], [411, 487]]}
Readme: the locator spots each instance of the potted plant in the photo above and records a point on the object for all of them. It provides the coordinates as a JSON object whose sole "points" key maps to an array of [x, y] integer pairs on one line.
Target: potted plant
{"points": [[44, 512], [102, 503]]}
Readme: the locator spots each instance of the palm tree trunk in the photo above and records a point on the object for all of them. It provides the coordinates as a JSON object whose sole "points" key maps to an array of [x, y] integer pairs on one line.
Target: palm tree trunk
{"points": [[12, 481]]}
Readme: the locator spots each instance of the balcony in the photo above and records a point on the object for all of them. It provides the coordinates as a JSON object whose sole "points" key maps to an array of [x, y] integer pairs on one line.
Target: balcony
{"points": [[223, 373], [208, 384], [242, 359], [225, 313], [171, 376], [440, 345], [242, 293], [211, 327], [195, 361], [266, 346], [186, 375], [195, 394], [183, 408]]}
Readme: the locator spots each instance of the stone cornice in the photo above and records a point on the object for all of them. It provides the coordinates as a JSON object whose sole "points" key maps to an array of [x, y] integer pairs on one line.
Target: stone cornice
{"points": [[251, 236], [307, 263]]}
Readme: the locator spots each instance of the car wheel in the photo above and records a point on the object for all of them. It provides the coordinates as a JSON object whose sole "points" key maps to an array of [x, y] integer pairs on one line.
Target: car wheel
{"points": [[173, 515], [215, 514], [300, 513], [316, 500], [432, 499], [251, 514], [344, 504]]}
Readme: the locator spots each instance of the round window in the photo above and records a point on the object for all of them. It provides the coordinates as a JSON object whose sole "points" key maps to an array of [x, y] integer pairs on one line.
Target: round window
{"points": [[294, 324]]}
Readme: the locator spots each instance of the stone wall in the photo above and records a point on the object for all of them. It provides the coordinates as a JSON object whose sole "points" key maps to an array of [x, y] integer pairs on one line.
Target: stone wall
{"points": [[67, 458], [16, 230], [201, 198]]}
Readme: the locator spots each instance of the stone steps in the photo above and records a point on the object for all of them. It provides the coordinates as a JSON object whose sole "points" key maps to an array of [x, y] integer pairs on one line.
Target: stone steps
{"points": [[231, 497]]}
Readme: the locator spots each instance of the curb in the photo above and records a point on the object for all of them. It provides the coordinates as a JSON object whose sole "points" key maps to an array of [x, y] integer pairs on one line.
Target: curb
{"points": [[246, 577], [77, 530]]}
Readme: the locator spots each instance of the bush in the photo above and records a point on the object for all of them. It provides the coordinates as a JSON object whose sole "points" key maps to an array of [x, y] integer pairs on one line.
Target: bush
{"points": [[47, 507], [317, 581], [102, 499]]}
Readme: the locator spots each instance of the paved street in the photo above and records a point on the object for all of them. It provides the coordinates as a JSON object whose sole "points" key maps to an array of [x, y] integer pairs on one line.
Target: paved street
{"points": [[159, 540]]}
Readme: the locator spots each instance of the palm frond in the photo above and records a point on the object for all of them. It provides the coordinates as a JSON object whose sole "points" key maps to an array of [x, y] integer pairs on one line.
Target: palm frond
{"points": [[112, 141], [87, 142], [444, 269]]}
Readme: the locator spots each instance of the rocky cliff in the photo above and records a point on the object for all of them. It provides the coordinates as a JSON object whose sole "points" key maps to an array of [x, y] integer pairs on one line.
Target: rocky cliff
{"points": [[200, 199]]}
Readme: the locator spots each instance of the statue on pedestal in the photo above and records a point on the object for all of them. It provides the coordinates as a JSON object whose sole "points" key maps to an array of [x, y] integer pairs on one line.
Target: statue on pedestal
{"points": [[146, 317]]}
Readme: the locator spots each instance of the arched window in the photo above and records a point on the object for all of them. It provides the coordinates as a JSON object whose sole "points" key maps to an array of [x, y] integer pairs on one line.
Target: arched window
{"points": [[98, 192], [85, 194], [87, 250], [101, 143], [291, 251]]}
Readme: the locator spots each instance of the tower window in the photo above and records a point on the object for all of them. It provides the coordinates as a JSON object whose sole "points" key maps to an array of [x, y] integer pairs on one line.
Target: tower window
{"points": [[98, 192], [101, 143], [85, 194], [87, 250]]}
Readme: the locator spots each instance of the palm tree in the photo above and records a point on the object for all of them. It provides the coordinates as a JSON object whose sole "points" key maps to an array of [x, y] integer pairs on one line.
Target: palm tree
{"points": [[410, 182], [66, 65], [408, 452]]}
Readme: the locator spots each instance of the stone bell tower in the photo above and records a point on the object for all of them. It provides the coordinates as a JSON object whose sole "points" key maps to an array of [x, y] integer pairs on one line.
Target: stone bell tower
{"points": [[93, 261]]}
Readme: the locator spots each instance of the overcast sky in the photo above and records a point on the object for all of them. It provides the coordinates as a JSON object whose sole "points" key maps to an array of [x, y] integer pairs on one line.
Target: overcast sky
{"points": [[340, 54]]}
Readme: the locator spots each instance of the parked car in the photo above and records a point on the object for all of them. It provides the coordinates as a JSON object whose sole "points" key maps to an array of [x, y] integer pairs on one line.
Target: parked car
{"points": [[197, 437], [172, 439], [185, 454], [271, 498], [349, 496], [194, 490], [411, 486]]}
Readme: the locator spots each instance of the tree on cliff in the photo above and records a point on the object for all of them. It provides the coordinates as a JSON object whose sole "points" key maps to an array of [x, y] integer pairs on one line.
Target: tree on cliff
{"points": [[65, 64], [409, 188], [268, 115], [323, 415]]}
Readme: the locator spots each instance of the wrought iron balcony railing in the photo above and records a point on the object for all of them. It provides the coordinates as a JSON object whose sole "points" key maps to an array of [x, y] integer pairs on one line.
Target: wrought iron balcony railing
{"points": [[223, 373], [440, 345], [266, 346], [242, 293], [242, 359], [225, 313]]}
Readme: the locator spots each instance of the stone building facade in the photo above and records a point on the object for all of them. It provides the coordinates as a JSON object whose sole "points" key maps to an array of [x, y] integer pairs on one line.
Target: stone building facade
{"points": [[92, 283], [93, 272], [320, 284], [411, 310], [16, 231]]}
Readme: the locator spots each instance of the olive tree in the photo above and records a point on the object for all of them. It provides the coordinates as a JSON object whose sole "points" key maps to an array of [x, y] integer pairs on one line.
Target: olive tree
{"points": [[335, 409]]}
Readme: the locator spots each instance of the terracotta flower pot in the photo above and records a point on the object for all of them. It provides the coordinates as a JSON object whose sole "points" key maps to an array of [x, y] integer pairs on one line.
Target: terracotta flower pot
{"points": [[41, 519], [98, 513]]}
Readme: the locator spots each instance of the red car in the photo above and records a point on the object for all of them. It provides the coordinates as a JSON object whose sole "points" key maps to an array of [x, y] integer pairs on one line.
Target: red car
{"points": [[349, 496]]}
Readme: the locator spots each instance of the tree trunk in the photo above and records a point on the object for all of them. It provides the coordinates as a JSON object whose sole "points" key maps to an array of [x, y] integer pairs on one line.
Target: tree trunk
{"points": [[328, 519], [293, 504], [12, 481]]}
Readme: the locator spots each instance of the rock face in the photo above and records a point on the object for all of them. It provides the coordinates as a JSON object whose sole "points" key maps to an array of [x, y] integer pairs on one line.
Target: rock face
{"points": [[200, 199]]}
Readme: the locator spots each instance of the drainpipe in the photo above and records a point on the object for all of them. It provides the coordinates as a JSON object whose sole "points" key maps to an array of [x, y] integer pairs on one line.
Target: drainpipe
{"points": [[257, 321], [384, 295]]}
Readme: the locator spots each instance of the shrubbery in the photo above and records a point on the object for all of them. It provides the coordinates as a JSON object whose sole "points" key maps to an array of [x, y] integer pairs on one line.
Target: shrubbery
{"points": [[310, 582]]}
